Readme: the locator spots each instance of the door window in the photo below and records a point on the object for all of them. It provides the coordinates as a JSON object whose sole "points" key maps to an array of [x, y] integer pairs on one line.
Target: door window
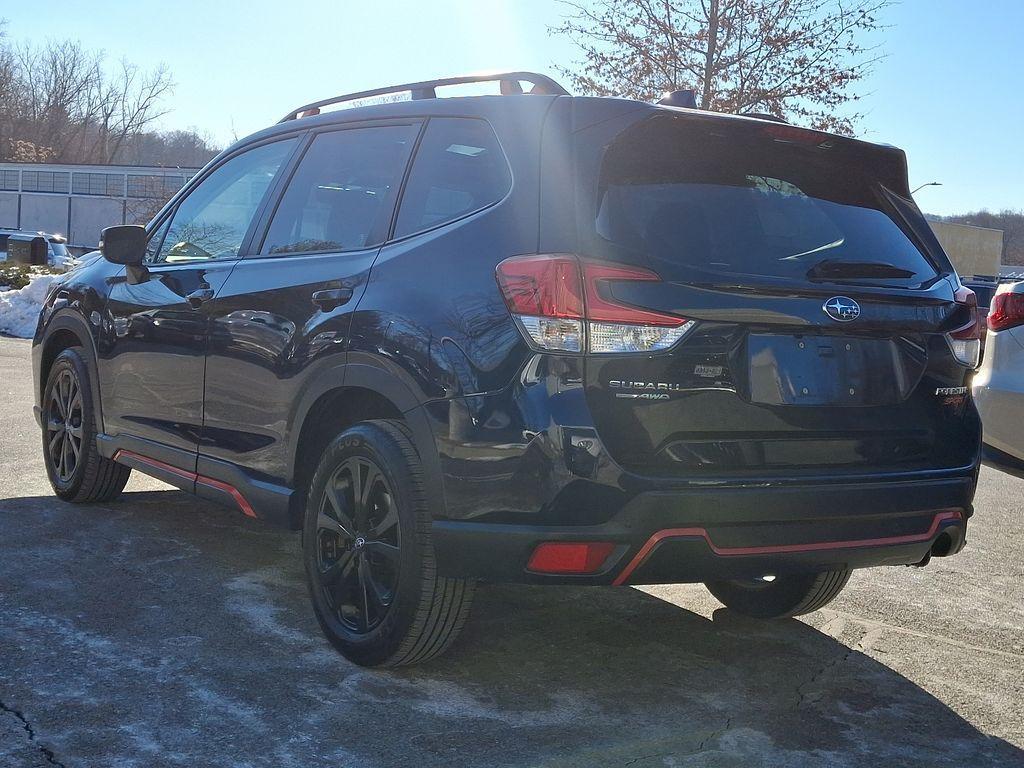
{"points": [[459, 169], [154, 241], [342, 194], [212, 221]]}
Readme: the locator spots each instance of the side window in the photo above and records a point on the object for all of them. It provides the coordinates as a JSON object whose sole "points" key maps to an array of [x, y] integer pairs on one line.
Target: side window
{"points": [[212, 221], [155, 239], [343, 191], [459, 168]]}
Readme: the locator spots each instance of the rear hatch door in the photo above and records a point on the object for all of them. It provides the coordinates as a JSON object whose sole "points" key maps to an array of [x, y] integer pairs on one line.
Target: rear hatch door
{"points": [[820, 297]]}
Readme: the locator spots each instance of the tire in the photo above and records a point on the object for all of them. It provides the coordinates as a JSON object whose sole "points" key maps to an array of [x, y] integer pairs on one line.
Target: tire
{"points": [[77, 471], [784, 596], [370, 568]]}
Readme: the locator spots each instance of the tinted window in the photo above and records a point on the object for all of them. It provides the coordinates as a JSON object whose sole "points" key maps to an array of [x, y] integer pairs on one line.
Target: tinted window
{"points": [[688, 200], [154, 241], [342, 194], [459, 168], [212, 221]]}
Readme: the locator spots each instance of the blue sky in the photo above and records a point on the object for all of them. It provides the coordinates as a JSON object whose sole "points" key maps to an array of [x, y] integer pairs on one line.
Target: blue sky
{"points": [[949, 91]]}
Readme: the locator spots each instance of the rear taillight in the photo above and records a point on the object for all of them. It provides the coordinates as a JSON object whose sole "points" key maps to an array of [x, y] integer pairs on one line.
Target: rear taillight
{"points": [[1007, 311], [965, 341], [562, 303]]}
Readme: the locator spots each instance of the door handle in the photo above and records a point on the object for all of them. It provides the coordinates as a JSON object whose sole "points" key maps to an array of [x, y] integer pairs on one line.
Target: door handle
{"points": [[332, 298], [198, 296]]}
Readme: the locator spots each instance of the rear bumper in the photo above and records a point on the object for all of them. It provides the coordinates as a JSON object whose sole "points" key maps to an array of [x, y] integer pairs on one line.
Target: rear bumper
{"points": [[694, 535]]}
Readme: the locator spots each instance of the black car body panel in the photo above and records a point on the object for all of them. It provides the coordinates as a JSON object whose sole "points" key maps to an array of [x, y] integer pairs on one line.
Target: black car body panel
{"points": [[770, 433]]}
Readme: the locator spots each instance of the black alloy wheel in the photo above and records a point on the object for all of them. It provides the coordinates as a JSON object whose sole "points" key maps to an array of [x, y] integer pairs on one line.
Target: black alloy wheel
{"points": [[358, 544], [77, 471], [369, 555], [64, 425]]}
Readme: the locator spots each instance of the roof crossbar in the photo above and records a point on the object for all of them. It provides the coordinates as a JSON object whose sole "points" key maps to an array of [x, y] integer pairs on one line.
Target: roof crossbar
{"points": [[427, 89]]}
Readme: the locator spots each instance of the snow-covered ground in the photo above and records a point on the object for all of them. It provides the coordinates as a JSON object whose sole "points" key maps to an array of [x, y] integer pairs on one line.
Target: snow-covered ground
{"points": [[19, 308]]}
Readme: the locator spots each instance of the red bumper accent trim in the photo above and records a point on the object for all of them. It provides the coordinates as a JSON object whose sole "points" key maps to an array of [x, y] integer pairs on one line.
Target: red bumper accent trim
{"points": [[196, 478], [779, 549]]}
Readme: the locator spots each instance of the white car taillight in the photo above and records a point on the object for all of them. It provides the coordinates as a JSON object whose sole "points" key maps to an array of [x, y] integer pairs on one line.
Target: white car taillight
{"points": [[965, 341], [561, 303]]}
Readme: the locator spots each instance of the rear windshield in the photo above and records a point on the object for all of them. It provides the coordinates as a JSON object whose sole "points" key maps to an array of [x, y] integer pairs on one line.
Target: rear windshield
{"points": [[730, 201]]}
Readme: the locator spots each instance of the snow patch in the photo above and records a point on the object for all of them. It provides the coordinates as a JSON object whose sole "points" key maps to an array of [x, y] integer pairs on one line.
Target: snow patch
{"points": [[19, 308]]}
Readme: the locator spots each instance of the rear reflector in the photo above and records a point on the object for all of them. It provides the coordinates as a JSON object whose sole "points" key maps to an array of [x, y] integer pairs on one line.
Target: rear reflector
{"points": [[562, 303], [1007, 311], [569, 557], [965, 341]]}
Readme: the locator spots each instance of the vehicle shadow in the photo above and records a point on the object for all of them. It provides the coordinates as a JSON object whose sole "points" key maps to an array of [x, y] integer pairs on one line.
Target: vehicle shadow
{"points": [[166, 623]]}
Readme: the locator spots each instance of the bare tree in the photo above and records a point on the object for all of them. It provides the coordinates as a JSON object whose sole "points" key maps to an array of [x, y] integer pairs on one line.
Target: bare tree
{"points": [[60, 102], [792, 58], [129, 103]]}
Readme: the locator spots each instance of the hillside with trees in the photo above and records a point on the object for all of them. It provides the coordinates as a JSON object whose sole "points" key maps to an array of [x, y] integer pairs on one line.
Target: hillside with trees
{"points": [[65, 103]]}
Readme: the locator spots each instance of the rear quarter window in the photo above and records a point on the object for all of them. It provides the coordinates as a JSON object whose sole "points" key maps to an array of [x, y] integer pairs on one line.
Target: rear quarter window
{"points": [[459, 169]]}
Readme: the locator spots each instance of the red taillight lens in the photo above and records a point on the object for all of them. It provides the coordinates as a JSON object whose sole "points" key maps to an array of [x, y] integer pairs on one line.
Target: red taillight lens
{"points": [[560, 299], [544, 286], [1007, 311], [965, 341], [569, 557], [974, 328]]}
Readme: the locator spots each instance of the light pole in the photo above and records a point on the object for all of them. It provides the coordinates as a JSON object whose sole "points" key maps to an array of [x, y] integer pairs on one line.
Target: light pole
{"points": [[929, 184]]}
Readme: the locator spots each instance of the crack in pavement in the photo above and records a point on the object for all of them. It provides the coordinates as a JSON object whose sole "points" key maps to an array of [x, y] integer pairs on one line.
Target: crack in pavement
{"points": [[930, 636], [866, 643], [46, 752], [714, 735]]}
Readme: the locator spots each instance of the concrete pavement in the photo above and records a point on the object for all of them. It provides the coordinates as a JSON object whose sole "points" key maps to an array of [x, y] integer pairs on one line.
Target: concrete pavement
{"points": [[165, 631]]}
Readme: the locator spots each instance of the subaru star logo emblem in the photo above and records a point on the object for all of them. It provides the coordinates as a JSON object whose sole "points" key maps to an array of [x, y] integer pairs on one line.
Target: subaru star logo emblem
{"points": [[841, 309]]}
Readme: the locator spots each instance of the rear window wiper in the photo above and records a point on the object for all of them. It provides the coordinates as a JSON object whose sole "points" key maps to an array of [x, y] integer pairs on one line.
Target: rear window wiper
{"points": [[835, 269]]}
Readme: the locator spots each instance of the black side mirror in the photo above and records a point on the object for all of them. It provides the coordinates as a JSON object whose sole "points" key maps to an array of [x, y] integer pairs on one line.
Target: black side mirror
{"points": [[124, 244]]}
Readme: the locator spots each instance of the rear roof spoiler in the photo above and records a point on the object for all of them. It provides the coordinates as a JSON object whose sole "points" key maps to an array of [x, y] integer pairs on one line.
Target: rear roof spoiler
{"points": [[426, 89]]}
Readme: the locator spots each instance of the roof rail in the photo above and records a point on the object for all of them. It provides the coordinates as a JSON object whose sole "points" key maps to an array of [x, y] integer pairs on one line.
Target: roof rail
{"points": [[427, 89]]}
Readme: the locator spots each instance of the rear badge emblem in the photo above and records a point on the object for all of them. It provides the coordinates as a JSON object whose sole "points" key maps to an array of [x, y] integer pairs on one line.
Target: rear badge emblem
{"points": [[841, 309], [708, 371]]}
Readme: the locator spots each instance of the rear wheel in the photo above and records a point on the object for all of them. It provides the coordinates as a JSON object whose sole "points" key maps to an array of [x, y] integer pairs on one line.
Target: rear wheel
{"points": [[780, 596], [368, 554], [77, 471]]}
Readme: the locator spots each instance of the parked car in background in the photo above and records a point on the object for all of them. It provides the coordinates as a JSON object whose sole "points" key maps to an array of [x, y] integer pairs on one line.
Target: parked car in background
{"points": [[536, 338], [984, 288], [999, 384], [56, 245]]}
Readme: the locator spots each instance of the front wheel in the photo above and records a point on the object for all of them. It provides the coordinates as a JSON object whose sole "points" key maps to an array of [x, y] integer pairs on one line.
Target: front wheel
{"points": [[780, 596], [368, 555], [74, 465]]}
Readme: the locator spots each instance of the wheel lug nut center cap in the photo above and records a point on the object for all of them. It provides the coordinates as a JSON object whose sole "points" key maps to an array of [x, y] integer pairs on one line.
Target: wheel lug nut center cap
{"points": [[360, 542]]}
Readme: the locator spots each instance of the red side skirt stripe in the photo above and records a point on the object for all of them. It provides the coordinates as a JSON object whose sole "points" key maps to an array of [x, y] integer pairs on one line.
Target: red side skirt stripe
{"points": [[209, 482]]}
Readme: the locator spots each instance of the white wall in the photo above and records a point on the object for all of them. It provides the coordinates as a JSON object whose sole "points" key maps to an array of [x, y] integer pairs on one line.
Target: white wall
{"points": [[9, 209], [90, 215], [44, 213], [973, 250]]}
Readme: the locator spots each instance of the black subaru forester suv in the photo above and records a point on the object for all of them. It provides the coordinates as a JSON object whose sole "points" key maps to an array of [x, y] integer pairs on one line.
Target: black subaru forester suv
{"points": [[535, 338]]}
